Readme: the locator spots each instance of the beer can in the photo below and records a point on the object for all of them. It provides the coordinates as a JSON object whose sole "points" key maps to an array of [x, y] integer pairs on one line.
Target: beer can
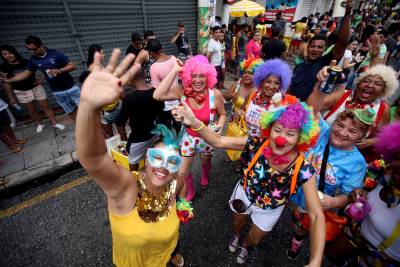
{"points": [[328, 85]]}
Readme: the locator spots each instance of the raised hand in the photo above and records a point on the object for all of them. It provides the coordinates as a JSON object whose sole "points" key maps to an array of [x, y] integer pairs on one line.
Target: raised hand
{"points": [[183, 113], [104, 86]]}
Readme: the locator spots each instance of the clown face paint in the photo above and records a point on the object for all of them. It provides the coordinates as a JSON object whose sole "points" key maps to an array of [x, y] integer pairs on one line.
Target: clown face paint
{"points": [[164, 158]]}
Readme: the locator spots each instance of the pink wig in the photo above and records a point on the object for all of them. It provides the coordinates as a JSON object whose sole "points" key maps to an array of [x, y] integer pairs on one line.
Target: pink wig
{"points": [[198, 64], [388, 141]]}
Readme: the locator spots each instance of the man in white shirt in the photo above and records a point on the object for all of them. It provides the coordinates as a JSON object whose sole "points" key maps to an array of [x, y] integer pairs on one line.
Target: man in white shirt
{"points": [[214, 48]]}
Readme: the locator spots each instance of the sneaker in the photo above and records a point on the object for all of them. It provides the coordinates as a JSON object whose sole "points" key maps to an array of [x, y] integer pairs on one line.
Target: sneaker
{"points": [[59, 126], [39, 128], [242, 255], [294, 249], [233, 244]]}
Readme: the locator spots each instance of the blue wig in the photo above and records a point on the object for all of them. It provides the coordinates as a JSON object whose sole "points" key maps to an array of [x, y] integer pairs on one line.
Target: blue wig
{"points": [[168, 136], [275, 67]]}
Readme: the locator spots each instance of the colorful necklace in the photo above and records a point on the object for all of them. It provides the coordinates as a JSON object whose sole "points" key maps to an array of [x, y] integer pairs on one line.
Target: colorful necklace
{"points": [[152, 208], [260, 102]]}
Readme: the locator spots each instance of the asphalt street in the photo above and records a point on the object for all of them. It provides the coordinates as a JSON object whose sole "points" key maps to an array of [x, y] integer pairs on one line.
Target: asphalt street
{"points": [[69, 226]]}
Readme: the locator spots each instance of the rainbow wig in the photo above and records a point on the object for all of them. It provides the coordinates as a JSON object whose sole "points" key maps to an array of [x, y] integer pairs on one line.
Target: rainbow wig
{"points": [[275, 67], [199, 64], [295, 115], [388, 141], [168, 136], [250, 64]]}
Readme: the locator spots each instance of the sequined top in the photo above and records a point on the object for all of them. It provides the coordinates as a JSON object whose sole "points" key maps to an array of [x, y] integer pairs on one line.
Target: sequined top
{"points": [[266, 187], [151, 208]]}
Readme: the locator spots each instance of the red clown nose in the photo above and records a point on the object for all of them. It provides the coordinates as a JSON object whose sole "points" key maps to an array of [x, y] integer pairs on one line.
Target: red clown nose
{"points": [[280, 141]]}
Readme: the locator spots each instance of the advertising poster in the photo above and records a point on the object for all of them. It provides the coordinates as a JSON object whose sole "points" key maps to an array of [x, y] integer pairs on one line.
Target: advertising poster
{"points": [[287, 7], [206, 17]]}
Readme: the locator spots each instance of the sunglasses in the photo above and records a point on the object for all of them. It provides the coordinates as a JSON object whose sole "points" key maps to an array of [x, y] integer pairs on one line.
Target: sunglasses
{"points": [[168, 159]]}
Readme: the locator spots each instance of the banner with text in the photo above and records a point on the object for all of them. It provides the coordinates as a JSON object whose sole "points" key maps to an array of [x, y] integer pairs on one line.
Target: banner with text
{"points": [[287, 7]]}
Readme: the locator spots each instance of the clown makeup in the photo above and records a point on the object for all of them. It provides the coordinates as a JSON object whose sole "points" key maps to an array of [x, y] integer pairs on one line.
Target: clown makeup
{"points": [[164, 158], [283, 140], [271, 85]]}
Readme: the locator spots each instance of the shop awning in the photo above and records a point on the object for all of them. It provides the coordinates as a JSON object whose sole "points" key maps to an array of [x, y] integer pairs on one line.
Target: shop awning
{"points": [[251, 8]]}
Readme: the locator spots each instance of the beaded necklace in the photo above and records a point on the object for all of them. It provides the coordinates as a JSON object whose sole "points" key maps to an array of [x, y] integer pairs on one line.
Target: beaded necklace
{"points": [[151, 208]]}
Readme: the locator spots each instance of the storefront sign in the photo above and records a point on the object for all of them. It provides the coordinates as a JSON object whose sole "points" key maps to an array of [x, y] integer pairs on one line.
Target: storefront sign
{"points": [[287, 7]]}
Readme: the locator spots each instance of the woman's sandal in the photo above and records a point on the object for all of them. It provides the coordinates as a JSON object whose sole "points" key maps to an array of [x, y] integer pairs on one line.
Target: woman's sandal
{"points": [[177, 260]]}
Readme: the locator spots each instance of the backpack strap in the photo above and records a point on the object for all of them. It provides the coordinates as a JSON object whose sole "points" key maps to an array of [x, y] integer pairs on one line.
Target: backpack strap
{"points": [[293, 181], [338, 104], [254, 160]]}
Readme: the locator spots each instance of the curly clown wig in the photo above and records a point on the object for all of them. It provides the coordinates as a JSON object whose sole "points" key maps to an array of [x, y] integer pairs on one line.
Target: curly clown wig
{"points": [[386, 73], [292, 114], [250, 64], [388, 141], [275, 67], [198, 64]]}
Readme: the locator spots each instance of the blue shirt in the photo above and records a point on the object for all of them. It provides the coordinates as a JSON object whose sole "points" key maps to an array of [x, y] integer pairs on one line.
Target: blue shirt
{"points": [[52, 60], [345, 169]]}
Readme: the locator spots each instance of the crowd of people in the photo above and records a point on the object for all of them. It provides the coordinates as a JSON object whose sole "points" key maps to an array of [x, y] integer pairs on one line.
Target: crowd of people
{"points": [[313, 150]]}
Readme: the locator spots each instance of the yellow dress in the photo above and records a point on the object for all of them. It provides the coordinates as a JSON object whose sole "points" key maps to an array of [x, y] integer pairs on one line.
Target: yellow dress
{"points": [[137, 243]]}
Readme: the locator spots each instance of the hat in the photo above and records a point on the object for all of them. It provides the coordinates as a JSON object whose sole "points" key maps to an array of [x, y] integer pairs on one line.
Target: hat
{"points": [[365, 115]]}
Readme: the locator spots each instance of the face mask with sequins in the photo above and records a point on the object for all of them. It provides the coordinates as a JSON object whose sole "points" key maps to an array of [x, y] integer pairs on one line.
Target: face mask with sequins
{"points": [[164, 158]]}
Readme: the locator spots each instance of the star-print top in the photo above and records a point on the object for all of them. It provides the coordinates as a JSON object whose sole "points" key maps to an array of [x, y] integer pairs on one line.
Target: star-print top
{"points": [[268, 188]]}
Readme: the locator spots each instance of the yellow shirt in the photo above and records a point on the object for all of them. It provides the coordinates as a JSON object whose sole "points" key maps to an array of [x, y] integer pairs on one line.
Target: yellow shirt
{"points": [[137, 243]]}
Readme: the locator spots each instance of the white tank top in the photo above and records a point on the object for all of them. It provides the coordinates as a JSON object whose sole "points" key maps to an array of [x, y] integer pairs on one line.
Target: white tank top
{"points": [[253, 114], [380, 223]]}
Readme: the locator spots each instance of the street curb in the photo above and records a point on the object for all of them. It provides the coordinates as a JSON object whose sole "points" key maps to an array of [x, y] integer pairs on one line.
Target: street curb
{"points": [[43, 169]]}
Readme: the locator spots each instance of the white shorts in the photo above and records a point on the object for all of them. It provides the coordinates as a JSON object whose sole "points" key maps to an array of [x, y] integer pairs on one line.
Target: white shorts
{"points": [[265, 219]]}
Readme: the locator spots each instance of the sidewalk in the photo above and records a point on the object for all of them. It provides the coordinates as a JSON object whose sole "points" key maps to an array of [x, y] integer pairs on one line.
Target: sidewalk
{"points": [[44, 153]]}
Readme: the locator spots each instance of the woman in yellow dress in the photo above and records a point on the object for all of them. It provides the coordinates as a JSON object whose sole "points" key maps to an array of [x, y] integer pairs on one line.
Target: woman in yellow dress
{"points": [[142, 206]]}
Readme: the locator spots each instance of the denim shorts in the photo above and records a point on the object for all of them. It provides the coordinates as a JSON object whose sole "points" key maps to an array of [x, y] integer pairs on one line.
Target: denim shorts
{"points": [[68, 99]]}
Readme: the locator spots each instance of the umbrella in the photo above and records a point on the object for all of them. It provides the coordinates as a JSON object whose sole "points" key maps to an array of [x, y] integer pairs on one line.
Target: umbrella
{"points": [[251, 8]]}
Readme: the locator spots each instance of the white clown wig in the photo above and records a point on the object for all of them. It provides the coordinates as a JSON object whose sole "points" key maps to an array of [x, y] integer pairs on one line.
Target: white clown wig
{"points": [[387, 73]]}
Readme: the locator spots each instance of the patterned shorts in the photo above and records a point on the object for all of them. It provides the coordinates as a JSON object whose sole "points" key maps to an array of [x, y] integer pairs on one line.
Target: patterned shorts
{"points": [[191, 146]]}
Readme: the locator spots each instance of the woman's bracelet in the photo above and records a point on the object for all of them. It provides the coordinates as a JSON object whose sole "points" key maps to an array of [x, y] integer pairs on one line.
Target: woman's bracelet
{"points": [[202, 125]]}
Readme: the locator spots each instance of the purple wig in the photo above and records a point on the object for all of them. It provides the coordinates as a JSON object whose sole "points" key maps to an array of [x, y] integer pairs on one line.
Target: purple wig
{"points": [[275, 67], [294, 117], [388, 141], [199, 64]]}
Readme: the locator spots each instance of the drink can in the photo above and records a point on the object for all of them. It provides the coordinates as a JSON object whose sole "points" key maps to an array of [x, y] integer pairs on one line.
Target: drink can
{"points": [[48, 74], [328, 85]]}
